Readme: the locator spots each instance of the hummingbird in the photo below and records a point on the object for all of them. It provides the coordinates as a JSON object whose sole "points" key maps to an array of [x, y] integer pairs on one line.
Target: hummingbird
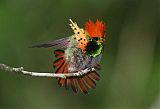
{"points": [[77, 52]]}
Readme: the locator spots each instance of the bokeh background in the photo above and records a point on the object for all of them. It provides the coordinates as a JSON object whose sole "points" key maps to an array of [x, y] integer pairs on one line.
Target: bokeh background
{"points": [[130, 65]]}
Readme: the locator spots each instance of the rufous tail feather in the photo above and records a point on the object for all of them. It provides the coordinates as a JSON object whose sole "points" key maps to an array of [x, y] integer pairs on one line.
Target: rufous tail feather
{"points": [[83, 83]]}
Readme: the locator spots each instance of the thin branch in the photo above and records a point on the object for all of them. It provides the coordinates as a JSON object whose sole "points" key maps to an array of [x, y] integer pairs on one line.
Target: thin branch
{"points": [[38, 74]]}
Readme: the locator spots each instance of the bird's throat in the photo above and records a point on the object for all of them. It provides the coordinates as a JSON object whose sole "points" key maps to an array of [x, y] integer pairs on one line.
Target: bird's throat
{"points": [[94, 48]]}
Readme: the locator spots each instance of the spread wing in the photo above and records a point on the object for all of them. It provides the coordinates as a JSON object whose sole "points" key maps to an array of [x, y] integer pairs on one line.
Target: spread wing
{"points": [[60, 43]]}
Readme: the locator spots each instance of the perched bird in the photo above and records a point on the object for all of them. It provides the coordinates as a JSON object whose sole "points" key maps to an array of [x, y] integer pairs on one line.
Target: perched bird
{"points": [[80, 51]]}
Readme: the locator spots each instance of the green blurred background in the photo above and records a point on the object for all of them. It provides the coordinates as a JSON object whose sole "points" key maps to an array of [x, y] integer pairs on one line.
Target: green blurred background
{"points": [[131, 61]]}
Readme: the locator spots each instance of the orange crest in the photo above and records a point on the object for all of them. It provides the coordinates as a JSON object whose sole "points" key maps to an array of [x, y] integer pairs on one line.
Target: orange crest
{"points": [[95, 29]]}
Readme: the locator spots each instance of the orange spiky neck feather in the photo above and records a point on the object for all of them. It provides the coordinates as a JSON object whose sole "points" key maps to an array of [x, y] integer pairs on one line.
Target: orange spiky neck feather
{"points": [[95, 29]]}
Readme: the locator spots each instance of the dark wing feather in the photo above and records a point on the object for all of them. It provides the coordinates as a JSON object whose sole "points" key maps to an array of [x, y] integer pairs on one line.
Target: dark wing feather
{"points": [[60, 43]]}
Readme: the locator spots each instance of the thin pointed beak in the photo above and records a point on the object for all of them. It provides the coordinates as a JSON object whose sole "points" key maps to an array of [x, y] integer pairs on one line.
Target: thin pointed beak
{"points": [[101, 40]]}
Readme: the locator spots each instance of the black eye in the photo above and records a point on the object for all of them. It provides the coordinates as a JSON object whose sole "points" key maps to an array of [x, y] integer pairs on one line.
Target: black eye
{"points": [[89, 39]]}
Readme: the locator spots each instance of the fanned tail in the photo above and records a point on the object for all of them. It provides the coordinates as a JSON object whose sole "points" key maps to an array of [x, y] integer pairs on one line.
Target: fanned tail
{"points": [[88, 81], [83, 83]]}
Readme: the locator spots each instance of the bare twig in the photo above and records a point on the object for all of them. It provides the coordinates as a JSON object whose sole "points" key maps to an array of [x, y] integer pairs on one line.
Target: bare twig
{"points": [[38, 74]]}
